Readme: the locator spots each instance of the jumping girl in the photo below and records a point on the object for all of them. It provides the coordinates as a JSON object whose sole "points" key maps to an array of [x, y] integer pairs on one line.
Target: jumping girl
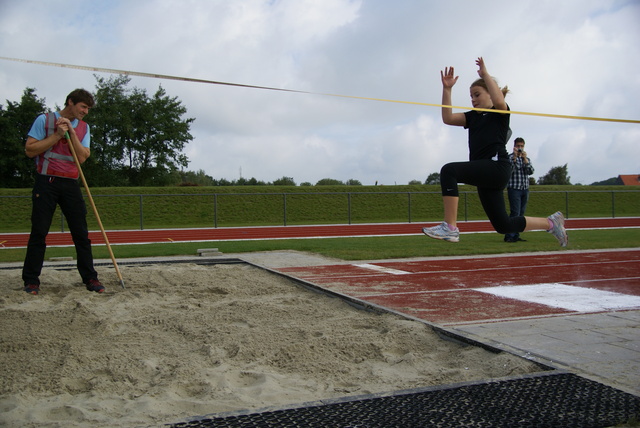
{"points": [[488, 167]]}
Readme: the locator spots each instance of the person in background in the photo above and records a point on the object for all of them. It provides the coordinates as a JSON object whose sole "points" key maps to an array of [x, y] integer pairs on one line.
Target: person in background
{"points": [[518, 185], [57, 184]]}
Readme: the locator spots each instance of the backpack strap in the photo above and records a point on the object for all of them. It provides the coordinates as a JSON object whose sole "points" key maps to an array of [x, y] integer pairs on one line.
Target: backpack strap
{"points": [[50, 123]]}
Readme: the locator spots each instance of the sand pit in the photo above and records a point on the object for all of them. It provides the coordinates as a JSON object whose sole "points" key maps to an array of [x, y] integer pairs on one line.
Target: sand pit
{"points": [[186, 340]]}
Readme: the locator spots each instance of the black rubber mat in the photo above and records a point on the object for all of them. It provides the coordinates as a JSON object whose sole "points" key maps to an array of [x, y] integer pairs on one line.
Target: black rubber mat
{"points": [[548, 400]]}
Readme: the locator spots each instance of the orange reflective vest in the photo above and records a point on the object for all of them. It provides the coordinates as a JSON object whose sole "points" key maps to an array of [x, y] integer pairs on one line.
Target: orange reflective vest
{"points": [[58, 160]]}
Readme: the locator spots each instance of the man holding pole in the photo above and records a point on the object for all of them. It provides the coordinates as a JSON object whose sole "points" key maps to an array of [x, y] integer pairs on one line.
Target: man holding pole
{"points": [[57, 184]]}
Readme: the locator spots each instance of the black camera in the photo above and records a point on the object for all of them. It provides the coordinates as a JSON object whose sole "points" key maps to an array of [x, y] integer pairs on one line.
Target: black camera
{"points": [[519, 150]]}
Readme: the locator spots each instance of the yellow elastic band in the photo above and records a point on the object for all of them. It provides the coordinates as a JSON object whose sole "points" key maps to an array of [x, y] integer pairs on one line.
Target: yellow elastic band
{"points": [[190, 79]]}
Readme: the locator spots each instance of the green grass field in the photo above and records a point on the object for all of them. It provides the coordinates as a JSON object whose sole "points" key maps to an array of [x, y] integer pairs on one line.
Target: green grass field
{"points": [[369, 248]]}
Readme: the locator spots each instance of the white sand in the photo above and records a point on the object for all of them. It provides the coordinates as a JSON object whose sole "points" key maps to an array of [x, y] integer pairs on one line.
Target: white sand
{"points": [[186, 340]]}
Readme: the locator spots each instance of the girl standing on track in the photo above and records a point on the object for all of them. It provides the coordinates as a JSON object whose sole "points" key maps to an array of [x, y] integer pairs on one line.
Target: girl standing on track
{"points": [[488, 167]]}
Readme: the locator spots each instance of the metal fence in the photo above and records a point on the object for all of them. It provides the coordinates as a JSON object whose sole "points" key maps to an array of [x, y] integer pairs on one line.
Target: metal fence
{"points": [[223, 209]]}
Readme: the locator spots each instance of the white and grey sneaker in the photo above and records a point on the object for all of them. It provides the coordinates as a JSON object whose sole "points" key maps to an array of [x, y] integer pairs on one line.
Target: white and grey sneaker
{"points": [[443, 232], [558, 229]]}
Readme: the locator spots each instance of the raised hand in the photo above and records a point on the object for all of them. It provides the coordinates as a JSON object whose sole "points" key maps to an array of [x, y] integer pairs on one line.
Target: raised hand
{"points": [[447, 77], [482, 69]]}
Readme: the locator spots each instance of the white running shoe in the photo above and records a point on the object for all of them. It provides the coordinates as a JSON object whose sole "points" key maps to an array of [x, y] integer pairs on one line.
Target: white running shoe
{"points": [[558, 229], [443, 232]]}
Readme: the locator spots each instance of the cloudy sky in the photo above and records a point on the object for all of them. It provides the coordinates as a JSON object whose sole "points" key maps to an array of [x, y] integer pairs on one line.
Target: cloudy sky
{"points": [[569, 57]]}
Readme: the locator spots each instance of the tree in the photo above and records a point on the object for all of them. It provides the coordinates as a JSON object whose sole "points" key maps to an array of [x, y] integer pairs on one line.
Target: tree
{"points": [[608, 182], [433, 178], [353, 182], [222, 182], [329, 182], [556, 175], [284, 181], [16, 169], [200, 178], [136, 140]]}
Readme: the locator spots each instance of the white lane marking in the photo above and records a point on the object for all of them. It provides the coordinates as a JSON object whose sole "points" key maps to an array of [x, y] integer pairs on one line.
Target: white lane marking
{"points": [[382, 269], [568, 297]]}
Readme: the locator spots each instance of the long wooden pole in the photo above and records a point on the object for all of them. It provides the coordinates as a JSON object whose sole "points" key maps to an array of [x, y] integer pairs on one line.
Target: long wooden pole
{"points": [[95, 210]]}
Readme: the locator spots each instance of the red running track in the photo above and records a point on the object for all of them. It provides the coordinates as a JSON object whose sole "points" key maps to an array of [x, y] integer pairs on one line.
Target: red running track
{"points": [[455, 291], [61, 239]]}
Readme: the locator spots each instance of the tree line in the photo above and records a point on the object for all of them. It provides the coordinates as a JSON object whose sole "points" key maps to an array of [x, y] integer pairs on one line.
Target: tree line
{"points": [[138, 140], [199, 178], [558, 175]]}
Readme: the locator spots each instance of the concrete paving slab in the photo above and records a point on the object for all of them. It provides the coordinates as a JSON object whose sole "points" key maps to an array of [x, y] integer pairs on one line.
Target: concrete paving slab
{"points": [[605, 347]]}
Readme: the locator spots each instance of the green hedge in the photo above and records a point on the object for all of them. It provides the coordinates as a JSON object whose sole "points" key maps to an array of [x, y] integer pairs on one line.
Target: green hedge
{"points": [[180, 207]]}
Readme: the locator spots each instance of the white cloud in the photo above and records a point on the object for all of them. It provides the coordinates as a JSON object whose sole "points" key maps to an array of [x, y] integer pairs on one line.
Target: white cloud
{"points": [[574, 57]]}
